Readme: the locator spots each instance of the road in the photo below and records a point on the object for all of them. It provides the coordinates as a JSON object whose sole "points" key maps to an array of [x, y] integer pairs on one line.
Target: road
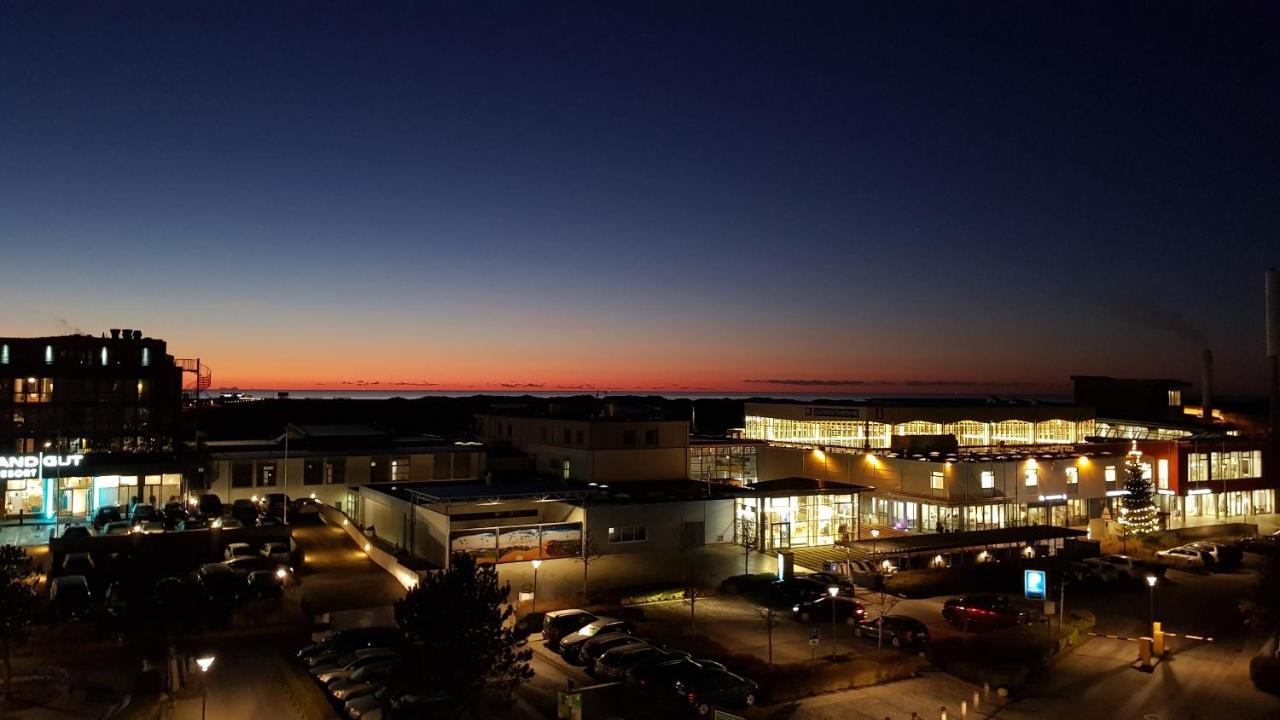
{"points": [[336, 575]]}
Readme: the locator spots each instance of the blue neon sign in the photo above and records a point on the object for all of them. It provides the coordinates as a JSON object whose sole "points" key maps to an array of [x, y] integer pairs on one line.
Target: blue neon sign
{"points": [[1034, 584]]}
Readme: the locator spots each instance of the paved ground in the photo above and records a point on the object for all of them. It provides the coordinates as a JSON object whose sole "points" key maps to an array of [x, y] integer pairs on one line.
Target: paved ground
{"points": [[337, 575]]}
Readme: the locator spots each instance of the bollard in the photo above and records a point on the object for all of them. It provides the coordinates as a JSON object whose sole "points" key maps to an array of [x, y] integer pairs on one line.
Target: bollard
{"points": [[1157, 640], [975, 699], [986, 691], [964, 709], [943, 710], [1144, 651]]}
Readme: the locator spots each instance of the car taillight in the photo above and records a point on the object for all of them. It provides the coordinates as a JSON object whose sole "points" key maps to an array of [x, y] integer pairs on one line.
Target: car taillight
{"points": [[693, 698]]}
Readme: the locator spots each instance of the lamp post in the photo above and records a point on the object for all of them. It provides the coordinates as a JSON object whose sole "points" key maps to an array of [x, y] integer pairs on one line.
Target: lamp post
{"points": [[875, 535], [534, 604], [1151, 583], [205, 663], [833, 590]]}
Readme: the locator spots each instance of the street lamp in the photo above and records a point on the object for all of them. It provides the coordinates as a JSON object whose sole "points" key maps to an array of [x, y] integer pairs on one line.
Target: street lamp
{"points": [[1151, 583], [875, 535], [205, 663], [833, 590], [534, 605]]}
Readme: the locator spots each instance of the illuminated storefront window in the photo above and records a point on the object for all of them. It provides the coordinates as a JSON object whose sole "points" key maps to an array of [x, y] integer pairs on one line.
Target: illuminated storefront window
{"points": [[841, 433], [970, 432], [917, 427], [800, 521], [1012, 432], [734, 463], [1055, 432]]}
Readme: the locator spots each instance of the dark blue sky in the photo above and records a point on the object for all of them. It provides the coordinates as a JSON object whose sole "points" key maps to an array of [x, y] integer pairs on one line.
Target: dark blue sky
{"points": [[649, 195]]}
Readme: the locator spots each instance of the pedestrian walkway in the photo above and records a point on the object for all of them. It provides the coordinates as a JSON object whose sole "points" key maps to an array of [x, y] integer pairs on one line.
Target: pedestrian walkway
{"points": [[924, 697], [28, 534]]}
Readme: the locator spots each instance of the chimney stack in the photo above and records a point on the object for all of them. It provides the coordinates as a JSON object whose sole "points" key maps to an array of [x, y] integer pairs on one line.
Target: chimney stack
{"points": [[115, 333], [1206, 386]]}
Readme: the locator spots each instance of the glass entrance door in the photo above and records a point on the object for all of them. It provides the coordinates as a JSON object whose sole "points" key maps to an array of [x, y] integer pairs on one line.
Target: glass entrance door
{"points": [[780, 535]]}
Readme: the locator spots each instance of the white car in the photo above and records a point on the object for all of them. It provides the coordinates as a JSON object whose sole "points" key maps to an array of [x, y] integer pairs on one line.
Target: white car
{"points": [[237, 550], [276, 551], [1123, 565], [1182, 557]]}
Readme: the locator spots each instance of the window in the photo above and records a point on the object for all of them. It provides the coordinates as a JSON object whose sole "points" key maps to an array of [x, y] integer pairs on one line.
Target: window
{"points": [[1236, 464], [1073, 476], [628, 534], [1162, 474], [988, 479], [335, 472], [103, 355], [48, 354], [1175, 398], [542, 434], [4, 354], [651, 437], [568, 436], [267, 475], [937, 480], [1146, 472], [564, 469], [1109, 473], [917, 427], [241, 475], [1031, 476], [400, 469], [969, 432], [146, 357], [32, 390], [1013, 432], [313, 472], [628, 437]]}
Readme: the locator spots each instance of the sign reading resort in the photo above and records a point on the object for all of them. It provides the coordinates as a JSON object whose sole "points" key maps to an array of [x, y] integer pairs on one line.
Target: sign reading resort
{"points": [[20, 467]]}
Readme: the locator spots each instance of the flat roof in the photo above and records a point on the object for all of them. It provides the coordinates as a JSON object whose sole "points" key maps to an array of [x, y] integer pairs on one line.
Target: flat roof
{"points": [[781, 487], [952, 541]]}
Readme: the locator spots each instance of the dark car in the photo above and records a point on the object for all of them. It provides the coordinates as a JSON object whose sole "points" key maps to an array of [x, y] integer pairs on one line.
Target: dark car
{"points": [[571, 644], [615, 662], [273, 505], [786, 593], [982, 610], [596, 646], [340, 642], [209, 505], [847, 609], [828, 579], [898, 630], [106, 515], [69, 597], [219, 583], [716, 688], [76, 531], [246, 511], [144, 513], [559, 623], [1262, 544], [194, 523], [242, 566], [658, 678]]}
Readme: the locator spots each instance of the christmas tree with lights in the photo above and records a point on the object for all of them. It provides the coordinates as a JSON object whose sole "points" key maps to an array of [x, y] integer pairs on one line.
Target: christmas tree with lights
{"points": [[1139, 516]]}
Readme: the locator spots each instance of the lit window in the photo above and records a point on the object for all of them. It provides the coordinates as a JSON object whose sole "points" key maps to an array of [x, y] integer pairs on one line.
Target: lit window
{"points": [[564, 469], [1109, 473], [1146, 472], [988, 479], [936, 480], [48, 354], [1031, 476], [104, 356], [4, 354], [1162, 473], [1073, 476], [1175, 398], [146, 357], [629, 534]]}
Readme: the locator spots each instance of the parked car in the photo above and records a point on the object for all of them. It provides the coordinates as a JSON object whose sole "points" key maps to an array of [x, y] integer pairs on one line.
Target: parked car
{"points": [[174, 513], [1125, 566], [344, 666], [246, 511], [76, 531], [238, 549], [194, 523], [786, 593], [305, 507], [144, 512], [1185, 557], [1262, 544], [571, 644], [596, 646], [109, 514], [264, 584], [847, 609], [827, 579], [78, 563], [984, 609], [339, 642], [276, 552], [898, 630], [373, 705], [363, 681], [117, 528], [1080, 572], [614, 662], [209, 505], [219, 583], [150, 527], [69, 596], [658, 678], [1224, 556], [559, 623], [273, 504], [716, 688], [226, 523]]}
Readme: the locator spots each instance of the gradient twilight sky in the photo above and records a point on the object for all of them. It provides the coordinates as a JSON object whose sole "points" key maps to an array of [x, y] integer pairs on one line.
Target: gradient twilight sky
{"points": [[638, 196]]}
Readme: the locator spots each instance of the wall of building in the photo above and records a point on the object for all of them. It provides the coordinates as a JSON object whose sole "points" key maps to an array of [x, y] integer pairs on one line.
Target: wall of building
{"points": [[664, 524]]}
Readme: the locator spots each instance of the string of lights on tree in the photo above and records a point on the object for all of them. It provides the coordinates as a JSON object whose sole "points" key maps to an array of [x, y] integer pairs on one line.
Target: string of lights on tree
{"points": [[1138, 515]]}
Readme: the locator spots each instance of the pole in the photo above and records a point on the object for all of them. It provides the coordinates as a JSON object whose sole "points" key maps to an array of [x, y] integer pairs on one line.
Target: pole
{"points": [[204, 698], [1153, 606], [533, 608], [286, 474], [833, 628]]}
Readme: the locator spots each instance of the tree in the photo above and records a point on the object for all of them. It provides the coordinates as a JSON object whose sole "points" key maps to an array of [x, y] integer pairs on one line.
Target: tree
{"points": [[18, 604], [463, 647], [769, 617], [748, 538], [590, 553], [693, 593], [1139, 518]]}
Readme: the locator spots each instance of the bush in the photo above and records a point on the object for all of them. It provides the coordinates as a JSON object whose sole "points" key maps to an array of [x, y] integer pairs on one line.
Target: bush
{"points": [[651, 596], [1264, 671], [747, 584]]}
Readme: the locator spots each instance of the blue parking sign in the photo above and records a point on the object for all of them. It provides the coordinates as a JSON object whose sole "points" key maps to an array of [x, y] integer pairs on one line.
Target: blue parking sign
{"points": [[1034, 584]]}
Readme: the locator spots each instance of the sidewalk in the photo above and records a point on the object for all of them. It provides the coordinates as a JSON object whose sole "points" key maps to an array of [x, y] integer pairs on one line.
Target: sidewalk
{"points": [[925, 696]]}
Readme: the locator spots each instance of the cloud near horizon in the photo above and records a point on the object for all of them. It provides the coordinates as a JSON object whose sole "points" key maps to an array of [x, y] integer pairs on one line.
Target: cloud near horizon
{"points": [[821, 382]]}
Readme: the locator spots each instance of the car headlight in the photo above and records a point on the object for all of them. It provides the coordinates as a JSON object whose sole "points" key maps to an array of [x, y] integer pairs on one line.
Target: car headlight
{"points": [[795, 608]]}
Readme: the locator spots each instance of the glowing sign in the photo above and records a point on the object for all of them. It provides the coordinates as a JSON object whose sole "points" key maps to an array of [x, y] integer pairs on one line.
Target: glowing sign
{"points": [[1034, 584], [18, 467]]}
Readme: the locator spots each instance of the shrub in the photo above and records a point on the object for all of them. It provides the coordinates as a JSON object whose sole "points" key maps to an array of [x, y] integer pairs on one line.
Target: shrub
{"points": [[651, 596], [1264, 671]]}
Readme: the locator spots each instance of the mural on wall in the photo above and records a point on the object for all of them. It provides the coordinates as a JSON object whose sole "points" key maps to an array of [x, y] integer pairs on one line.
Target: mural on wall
{"points": [[518, 544], [481, 544], [563, 540]]}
